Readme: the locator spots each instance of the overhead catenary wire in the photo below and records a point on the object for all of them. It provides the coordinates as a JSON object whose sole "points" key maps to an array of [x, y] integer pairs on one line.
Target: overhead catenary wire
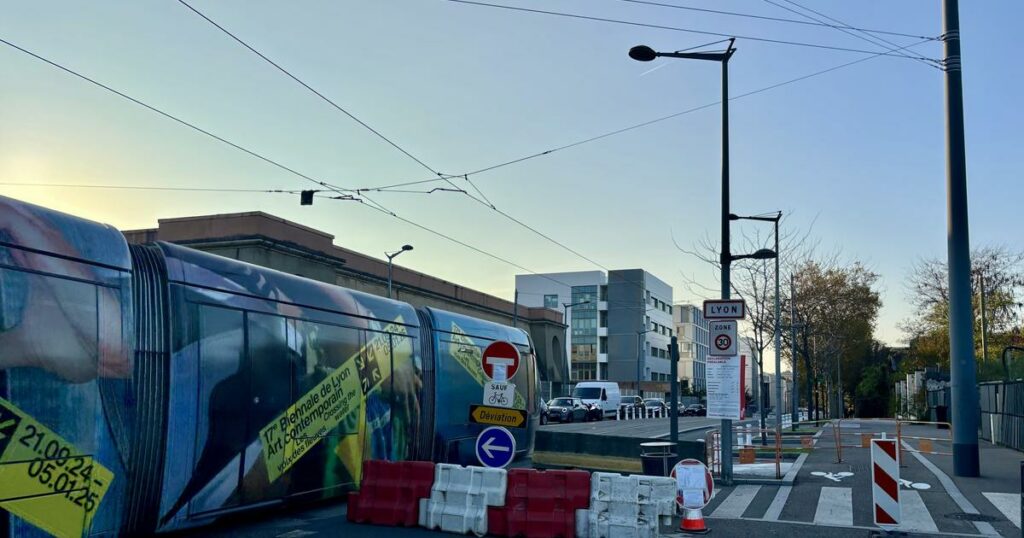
{"points": [[316, 92], [855, 32], [441, 177], [660, 119], [145, 187], [346, 193], [773, 19], [672, 28]]}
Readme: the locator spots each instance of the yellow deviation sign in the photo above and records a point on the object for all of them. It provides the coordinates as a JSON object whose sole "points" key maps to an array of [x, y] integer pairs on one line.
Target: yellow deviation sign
{"points": [[288, 437], [498, 416], [44, 479]]}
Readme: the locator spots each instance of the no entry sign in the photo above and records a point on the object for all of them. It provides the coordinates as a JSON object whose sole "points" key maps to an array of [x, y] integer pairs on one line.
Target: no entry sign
{"points": [[500, 360]]}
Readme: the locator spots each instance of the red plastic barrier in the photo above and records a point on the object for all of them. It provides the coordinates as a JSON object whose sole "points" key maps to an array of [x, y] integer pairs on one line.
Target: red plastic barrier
{"points": [[390, 492], [540, 504]]}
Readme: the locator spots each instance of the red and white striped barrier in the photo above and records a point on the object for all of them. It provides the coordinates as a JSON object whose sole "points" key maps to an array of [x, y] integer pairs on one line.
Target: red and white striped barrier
{"points": [[885, 483]]}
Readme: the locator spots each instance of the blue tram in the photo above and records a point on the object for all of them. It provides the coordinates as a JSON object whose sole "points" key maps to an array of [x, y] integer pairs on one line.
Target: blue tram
{"points": [[149, 388]]}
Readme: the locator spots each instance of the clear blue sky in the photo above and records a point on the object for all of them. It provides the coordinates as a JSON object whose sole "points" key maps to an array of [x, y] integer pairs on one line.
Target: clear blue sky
{"points": [[859, 151]]}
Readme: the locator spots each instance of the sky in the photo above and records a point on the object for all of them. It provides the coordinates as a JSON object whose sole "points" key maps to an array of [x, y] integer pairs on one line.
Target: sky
{"points": [[855, 156]]}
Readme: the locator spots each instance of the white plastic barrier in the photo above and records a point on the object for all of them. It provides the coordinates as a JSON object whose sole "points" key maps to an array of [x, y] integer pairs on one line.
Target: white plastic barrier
{"points": [[627, 506], [460, 496]]}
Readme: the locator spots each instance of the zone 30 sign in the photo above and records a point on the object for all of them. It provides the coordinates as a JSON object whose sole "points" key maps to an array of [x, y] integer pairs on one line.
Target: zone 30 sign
{"points": [[723, 338]]}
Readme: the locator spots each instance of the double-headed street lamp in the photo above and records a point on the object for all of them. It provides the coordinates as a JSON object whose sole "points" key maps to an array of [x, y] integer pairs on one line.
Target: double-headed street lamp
{"points": [[778, 317], [644, 53], [391, 256]]}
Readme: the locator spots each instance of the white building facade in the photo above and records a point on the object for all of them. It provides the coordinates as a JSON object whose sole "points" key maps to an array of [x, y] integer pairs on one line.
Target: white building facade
{"points": [[620, 322], [694, 340]]}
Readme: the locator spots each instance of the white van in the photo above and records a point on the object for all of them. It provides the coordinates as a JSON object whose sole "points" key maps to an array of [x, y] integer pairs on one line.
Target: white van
{"points": [[603, 393]]}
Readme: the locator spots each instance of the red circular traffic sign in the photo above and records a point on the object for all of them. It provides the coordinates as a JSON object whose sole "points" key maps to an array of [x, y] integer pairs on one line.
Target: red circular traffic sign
{"points": [[692, 467], [723, 342], [500, 353]]}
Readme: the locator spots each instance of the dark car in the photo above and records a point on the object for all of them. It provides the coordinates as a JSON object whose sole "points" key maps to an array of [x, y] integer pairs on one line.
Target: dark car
{"points": [[656, 405], [695, 410], [567, 410], [635, 403]]}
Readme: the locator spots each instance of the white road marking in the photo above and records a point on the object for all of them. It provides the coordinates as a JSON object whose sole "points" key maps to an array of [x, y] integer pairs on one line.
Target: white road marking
{"points": [[1007, 503], [737, 502], [295, 534], [775, 509], [915, 516], [983, 527], [835, 507]]}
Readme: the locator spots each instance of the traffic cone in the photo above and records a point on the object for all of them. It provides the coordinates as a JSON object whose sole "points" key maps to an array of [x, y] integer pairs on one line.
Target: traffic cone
{"points": [[693, 522]]}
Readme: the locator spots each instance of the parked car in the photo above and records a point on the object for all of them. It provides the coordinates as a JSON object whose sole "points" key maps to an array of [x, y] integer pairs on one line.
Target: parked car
{"points": [[656, 404], [635, 403], [566, 410], [604, 394], [695, 410]]}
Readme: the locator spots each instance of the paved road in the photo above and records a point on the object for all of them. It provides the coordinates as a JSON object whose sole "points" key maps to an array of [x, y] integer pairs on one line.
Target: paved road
{"points": [[838, 506], [690, 428], [929, 504]]}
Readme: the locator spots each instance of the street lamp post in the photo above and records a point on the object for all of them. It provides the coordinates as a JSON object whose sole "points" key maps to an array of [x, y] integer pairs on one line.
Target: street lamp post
{"points": [[778, 316], [645, 54], [391, 256]]}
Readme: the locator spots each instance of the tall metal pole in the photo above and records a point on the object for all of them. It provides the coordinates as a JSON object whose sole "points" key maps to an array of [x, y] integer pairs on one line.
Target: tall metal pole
{"points": [[792, 341], [639, 354], [674, 399], [984, 322], [726, 430], [961, 319], [778, 334], [390, 265], [515, 309]]}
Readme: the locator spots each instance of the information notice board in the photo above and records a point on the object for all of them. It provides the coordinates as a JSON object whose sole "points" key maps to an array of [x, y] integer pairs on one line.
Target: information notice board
{"points": [[724, 389]]}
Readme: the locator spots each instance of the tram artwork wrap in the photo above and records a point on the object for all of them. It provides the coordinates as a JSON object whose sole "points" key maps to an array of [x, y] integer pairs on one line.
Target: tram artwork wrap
{"points": [[150, 388]]}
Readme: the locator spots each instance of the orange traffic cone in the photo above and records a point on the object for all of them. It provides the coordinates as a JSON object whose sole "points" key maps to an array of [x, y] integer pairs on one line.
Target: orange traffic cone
{"points": [[693, 522]]}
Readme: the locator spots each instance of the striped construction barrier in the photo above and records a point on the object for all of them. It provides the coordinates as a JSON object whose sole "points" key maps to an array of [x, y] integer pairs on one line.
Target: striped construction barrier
{"points": [[885, 483], [524, 503]]}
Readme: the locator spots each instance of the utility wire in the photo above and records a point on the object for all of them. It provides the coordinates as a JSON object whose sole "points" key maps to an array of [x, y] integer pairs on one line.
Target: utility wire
{"points": [[310, 88], [345, 193], [774, 19], [167, 115], [863, 36], [484, 201], [672, 28], [670, 116], [146, 187]]}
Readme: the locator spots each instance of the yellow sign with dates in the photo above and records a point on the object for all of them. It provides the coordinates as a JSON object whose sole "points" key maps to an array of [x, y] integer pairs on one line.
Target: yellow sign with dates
{"points": [[320, 410], [44, 479]]}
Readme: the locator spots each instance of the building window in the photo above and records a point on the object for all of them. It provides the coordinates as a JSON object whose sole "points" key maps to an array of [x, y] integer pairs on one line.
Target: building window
{"points": [[603, 293], [603, 345], [604, 318], [602, 370], [551, 301]]}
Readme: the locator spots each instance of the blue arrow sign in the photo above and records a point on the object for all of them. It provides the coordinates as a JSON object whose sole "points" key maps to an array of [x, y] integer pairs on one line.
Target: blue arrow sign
{"points": [[495, 447]]}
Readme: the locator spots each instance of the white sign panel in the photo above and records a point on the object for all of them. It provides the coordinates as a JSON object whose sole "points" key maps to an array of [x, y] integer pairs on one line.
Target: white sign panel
{"points": [[725, 309], [723, 338], [499, 394], [723, 386]]}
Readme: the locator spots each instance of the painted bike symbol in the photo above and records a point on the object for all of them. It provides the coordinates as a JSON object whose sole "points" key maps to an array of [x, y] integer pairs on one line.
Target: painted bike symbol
{"points": [[835, 477]]}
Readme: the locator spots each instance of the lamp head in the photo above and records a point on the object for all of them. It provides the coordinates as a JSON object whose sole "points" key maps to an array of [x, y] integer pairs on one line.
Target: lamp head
{"points": [[642, 53]]}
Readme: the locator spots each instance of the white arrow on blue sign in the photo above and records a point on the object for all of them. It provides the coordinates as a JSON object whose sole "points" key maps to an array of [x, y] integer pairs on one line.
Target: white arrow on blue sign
{"points": [[495, 447]]}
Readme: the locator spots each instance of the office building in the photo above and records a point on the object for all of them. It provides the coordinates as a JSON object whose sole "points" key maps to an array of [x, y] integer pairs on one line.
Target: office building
{"points": [[692, 329], [620, 324]]}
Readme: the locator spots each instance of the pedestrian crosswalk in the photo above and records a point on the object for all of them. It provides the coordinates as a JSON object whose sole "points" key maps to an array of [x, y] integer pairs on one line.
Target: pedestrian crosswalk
{"points": [[841, 506]]}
